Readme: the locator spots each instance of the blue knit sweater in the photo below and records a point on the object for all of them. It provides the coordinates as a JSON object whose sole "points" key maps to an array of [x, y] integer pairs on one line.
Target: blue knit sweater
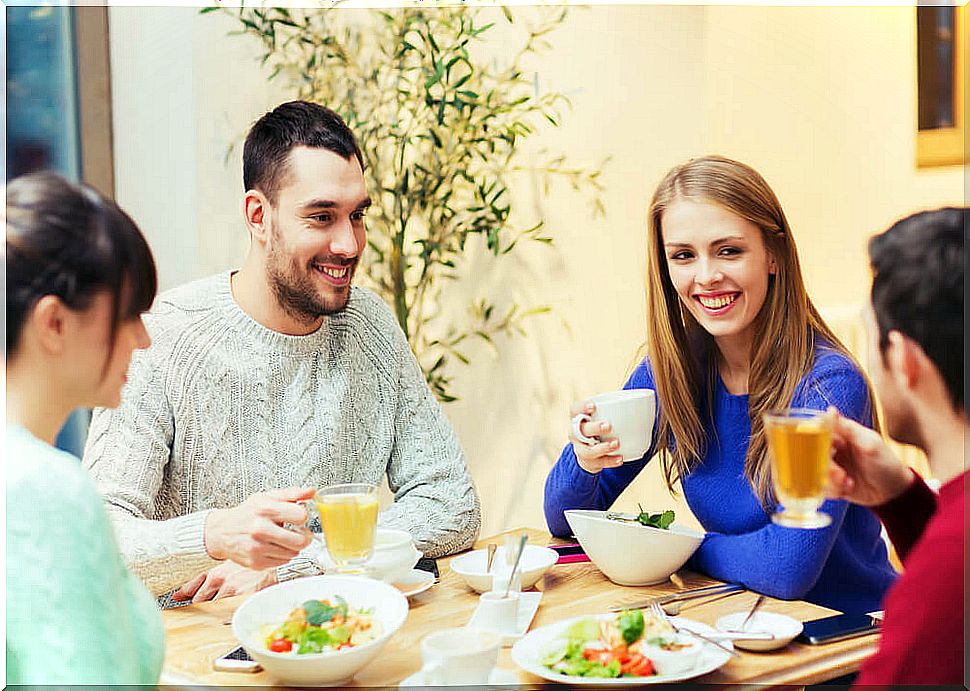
{"points": [[844, 566]]}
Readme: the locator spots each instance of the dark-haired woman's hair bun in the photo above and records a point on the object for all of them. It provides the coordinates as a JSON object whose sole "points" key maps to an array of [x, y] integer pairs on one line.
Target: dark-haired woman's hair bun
{"points": [[67, 240]]}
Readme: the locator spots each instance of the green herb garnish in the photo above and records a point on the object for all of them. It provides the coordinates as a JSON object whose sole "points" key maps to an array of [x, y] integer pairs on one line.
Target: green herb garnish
{"points": [[655, 520], [319, 613]]}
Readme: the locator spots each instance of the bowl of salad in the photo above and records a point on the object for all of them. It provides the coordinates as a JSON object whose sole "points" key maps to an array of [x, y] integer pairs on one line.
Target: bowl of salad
{"points": [[319, 631], [627, 648], [634, 549]]}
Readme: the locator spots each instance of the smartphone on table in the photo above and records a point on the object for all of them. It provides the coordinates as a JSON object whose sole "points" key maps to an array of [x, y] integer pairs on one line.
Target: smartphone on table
{"points": [[569, 553], [837, 628], [430, 565], [236, 660]]}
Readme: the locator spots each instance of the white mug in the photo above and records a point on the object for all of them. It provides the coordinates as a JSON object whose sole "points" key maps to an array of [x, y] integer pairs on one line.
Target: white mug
{"points": [[631, 412], [458, 657]]}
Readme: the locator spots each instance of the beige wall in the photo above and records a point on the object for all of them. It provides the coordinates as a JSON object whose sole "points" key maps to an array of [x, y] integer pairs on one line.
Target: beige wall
{"points": [[819, 99], [822, 100]]}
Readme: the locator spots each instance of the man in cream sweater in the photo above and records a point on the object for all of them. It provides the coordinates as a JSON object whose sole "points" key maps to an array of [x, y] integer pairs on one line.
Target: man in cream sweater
{"points": [[264, 383]]}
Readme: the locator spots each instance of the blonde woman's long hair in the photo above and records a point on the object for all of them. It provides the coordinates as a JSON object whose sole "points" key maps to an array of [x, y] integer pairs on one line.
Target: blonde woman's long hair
{"points": [[683, 355]]}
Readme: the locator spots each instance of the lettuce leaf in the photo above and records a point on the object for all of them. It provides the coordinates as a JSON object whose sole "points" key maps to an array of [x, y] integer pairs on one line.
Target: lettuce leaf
{"points": [[313, 640], [631, 625]]}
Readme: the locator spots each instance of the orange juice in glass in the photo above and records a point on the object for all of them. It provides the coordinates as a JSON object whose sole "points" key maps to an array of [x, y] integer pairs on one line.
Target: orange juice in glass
{"points": [[799, 447], [348, 516]]}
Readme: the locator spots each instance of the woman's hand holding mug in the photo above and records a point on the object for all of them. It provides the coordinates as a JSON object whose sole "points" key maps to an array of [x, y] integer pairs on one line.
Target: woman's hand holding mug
{"points": [[611, 428], [592, 454]]}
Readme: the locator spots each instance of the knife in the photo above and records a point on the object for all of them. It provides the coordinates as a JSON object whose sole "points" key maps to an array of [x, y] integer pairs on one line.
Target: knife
{"points": [[682, 595]]}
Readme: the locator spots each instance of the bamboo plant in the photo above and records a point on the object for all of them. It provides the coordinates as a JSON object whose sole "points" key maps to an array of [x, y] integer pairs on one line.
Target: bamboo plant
{"points": [[441, 126]]}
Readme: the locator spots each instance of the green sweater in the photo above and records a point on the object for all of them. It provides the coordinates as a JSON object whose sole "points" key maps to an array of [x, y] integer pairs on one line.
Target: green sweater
{"points": [[75, 614]]}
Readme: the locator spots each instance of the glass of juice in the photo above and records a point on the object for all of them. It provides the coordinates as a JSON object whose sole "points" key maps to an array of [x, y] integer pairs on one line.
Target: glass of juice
{"points": [[348, 516], [799, 448]]}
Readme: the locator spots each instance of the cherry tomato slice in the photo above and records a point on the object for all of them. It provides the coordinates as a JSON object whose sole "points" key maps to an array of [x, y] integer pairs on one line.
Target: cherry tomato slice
{"points": [[281, 645], [643, 668]]}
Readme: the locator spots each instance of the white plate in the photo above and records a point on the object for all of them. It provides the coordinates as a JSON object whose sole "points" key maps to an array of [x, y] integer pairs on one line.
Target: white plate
{"points": [[528, 604], [497, 677], [413, 582], [528, 651]]}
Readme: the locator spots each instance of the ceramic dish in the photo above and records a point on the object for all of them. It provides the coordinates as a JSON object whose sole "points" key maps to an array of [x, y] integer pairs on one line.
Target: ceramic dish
{"points": [[528, 652], [783, 628], [471, 566]]}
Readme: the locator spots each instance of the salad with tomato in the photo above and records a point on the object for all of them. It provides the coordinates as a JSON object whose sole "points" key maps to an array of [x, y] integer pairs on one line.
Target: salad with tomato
{"points": [[320, 626], [629, 644]]}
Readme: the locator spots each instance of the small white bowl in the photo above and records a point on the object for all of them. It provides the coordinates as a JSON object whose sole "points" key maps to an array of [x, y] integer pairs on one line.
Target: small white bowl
{"points": [[673, 662], [471, 566], [629, 553], [335, 668], [393, 558], [784, 629]]}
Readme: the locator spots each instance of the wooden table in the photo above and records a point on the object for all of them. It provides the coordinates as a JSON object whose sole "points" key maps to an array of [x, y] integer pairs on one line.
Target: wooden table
{"points": [[197, 634]]}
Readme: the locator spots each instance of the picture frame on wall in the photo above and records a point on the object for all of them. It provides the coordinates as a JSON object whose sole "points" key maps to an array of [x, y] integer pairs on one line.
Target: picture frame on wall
{"points": [[941, 60]]}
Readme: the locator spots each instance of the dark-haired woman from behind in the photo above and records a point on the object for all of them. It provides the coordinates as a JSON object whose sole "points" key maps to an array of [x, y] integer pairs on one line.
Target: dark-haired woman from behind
{"points": [[79, 276]]}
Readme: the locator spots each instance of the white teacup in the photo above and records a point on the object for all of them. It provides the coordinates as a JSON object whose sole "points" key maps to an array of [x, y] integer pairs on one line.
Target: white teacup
{"points": [[454, 657], [631, 412], [394, 555]]}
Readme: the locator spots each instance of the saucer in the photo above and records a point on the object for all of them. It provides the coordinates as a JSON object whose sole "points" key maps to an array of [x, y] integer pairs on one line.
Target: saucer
{"points": [[413, 582], [498, 677], [528, 604]]}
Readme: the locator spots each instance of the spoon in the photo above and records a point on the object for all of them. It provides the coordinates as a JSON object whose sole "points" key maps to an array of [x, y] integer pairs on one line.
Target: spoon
{"points": [[515, 566], [491, 555], [757, 604]]}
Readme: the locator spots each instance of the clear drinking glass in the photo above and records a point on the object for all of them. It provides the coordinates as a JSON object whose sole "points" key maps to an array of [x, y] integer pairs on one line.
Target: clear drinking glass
{"points": [[799, 448], [348, 517]]}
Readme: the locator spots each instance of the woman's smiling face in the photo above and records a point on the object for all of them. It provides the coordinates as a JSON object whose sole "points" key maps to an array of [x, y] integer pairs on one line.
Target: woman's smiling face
{"points": [[718, 265]]}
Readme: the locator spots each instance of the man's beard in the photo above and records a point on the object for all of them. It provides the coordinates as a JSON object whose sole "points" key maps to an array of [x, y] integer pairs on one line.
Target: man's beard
{"points": [[902, 423], [297, 293]]}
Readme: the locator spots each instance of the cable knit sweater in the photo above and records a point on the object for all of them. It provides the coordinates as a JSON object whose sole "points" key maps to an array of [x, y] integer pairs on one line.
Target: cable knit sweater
{"points": [[220, 407]]}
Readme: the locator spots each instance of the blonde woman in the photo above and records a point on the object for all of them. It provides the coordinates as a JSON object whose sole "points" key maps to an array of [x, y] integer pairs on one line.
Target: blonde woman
{"points": [[731, 334], [79, 276]]}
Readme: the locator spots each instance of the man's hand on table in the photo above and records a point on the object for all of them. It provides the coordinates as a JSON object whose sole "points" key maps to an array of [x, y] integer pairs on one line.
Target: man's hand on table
{"points": [[225, 580]]}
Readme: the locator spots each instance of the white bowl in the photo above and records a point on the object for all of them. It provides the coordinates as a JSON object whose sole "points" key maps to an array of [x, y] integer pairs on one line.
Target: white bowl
{"points": [[784, 629], [471, 566], [270, 607], [393, 558], [674, 662], [629, 553]]}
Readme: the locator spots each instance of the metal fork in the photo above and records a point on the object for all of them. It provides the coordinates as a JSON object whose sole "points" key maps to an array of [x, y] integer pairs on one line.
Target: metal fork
{"points": [[658, 611]]}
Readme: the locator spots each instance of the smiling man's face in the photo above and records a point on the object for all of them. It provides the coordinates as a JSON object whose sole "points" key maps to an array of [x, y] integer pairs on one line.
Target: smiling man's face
{"points": [[317, 233]]}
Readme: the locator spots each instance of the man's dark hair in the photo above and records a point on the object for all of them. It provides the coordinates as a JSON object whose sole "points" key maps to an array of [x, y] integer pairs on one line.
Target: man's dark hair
{"points": [[917, 288], [297, 123]]}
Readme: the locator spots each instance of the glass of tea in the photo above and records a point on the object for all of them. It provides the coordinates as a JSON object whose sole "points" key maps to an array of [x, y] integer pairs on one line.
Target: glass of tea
{"points": [[799, 448], [348, 517]]}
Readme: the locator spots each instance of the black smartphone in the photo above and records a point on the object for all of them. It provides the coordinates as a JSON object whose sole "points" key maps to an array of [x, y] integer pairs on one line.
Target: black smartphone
{"points": [[837, 628], [429, 565], [236, 660]]}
